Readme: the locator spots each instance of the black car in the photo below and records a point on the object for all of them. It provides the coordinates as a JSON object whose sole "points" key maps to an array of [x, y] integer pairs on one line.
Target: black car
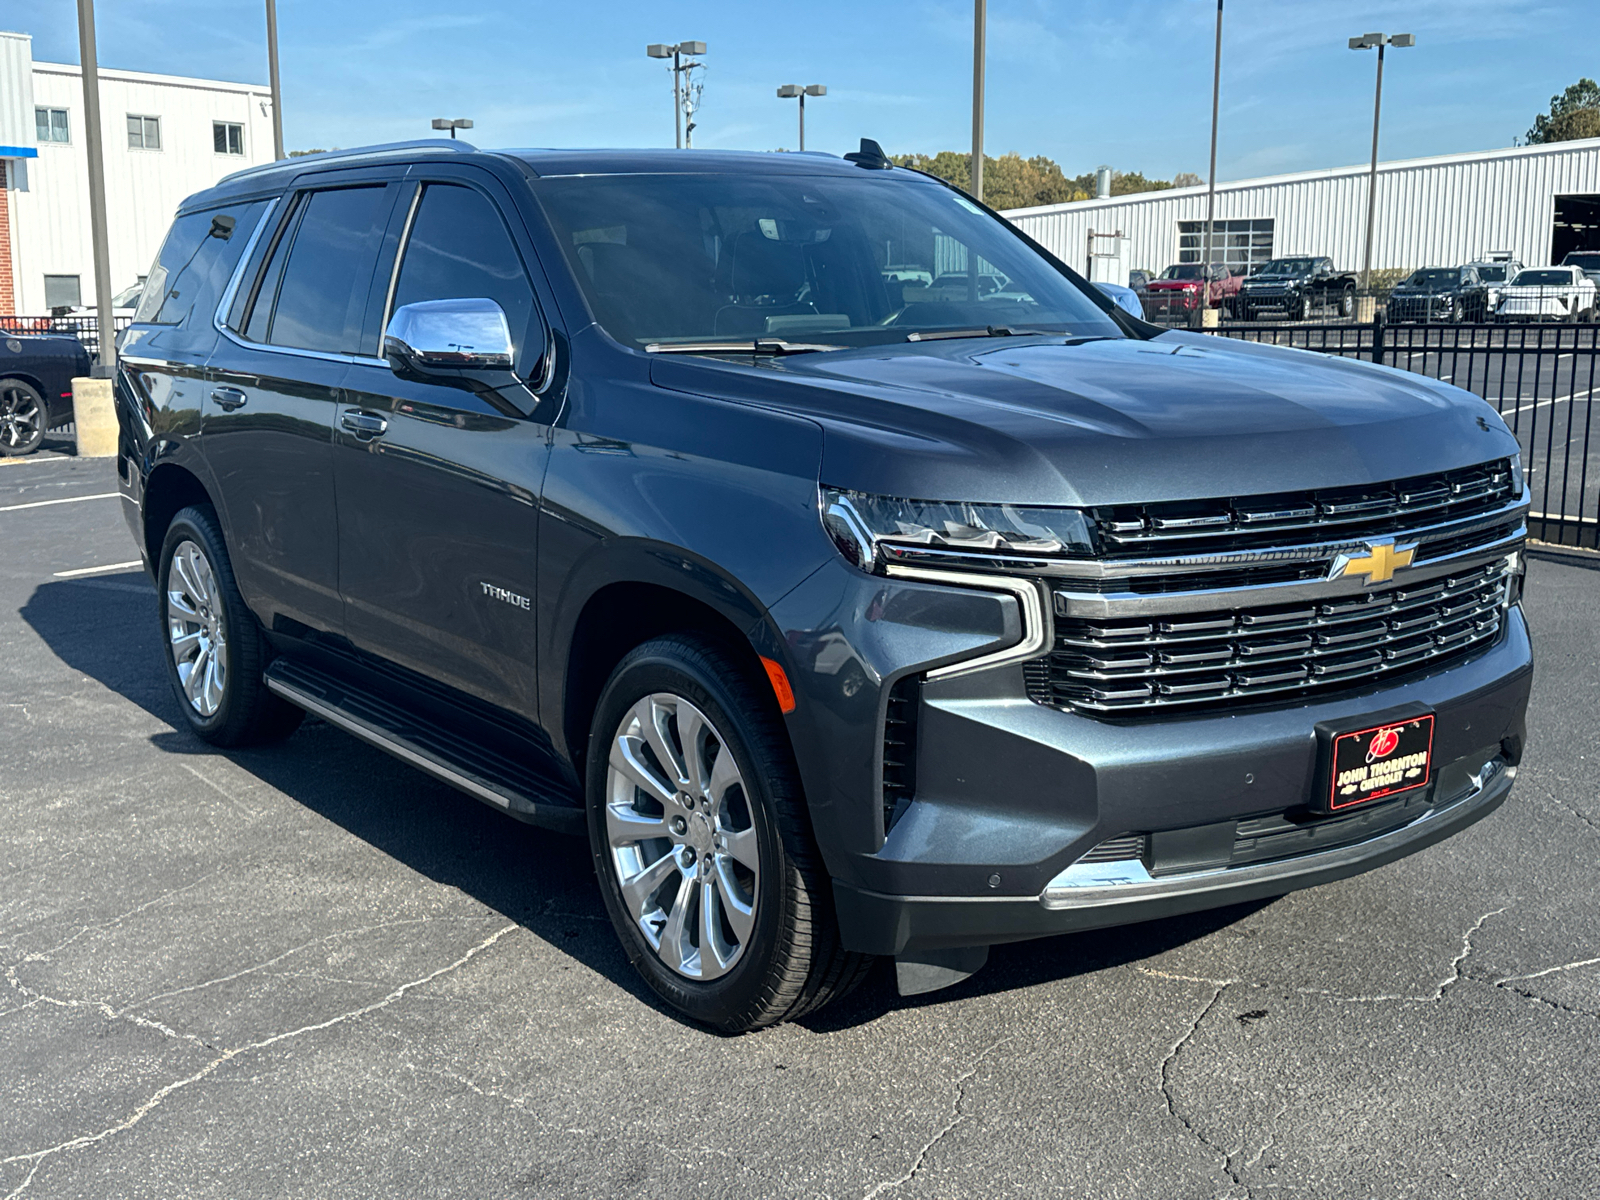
{"points": [[1300, 287], [36, 376], [1439, 294], [844, 617]]}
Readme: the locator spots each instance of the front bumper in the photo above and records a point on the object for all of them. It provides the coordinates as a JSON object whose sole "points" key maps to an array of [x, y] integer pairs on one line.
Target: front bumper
{"points": [[1011, 795]]}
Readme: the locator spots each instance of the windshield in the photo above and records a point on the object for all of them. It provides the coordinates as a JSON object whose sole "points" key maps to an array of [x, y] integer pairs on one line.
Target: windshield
{"points": [[1435, 277], [1542, 278], [1288, 266], [1186, 271], [849, 261], [1491, 272], [1589, 262]]}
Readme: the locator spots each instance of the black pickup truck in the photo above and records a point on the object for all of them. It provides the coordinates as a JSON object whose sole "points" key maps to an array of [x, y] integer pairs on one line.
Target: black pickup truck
{"points": [[36, 388], [1301, 287]]}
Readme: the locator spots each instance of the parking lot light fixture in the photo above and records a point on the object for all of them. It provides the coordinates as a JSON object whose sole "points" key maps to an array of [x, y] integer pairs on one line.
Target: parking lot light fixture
{"points": [[1378, 41], [683, 95], [790, 91], [452, 124]]}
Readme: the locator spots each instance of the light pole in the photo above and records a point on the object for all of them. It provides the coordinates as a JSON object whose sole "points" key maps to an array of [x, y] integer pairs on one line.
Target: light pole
{"points": [[790, 90], [452, 124], [105, 323], [979, 21], [680, 82], [1366, 42], [1211, 179], [272, 78]]}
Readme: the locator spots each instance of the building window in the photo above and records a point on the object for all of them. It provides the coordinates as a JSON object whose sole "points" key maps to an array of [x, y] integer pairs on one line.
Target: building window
{"points": [[227, 138], [1244, 245], [50, 125], [144, 133], [62, 291]]}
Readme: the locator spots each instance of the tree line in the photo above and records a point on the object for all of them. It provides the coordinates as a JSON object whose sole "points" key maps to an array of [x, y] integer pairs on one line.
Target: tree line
{"points": [[1011, 181]]}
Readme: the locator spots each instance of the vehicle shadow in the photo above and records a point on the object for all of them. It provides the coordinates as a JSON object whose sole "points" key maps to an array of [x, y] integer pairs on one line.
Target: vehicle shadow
{"points": [[105, 628]]}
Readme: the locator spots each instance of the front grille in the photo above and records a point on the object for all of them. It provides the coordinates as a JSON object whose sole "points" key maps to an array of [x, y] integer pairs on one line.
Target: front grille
{"points": [[1327, 514], [899, 750], [1229, 656]]}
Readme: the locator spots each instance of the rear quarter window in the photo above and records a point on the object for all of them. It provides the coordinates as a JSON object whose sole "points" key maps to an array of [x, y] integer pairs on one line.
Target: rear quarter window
{"points": [[196, 259]]}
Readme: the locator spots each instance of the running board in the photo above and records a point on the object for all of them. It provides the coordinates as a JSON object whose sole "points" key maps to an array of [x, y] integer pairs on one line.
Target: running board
{"points": [[481, 773]]}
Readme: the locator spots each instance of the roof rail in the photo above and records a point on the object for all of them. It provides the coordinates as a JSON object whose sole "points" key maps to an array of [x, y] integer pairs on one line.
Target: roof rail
{"points": [[322, 156]]}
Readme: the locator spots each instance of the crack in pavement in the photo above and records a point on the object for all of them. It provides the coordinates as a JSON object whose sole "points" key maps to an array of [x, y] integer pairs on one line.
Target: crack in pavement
{"points": [[957, 1116], [1439, 988], [36, 1158], [113, 921], [1227, 1156]]}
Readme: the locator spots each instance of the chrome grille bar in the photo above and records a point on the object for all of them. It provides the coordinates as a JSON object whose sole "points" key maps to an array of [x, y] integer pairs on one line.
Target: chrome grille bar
{"points": [[1233, 655]]}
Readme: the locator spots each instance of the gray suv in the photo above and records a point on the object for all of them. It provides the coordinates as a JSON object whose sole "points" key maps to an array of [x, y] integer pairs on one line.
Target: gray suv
{"points": [[710, 507]]}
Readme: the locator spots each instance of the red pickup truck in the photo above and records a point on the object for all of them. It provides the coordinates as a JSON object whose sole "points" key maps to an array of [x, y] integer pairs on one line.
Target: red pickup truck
{"points": [[1176, 292]]}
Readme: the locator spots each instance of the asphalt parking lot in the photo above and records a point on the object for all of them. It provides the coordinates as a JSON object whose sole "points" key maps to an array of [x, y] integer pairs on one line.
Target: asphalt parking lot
{"points": [[311, 971]]}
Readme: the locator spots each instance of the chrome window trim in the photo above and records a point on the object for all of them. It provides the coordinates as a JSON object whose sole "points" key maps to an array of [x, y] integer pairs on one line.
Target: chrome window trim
{"points": [[1037, 634], [219, 319], [399, 257], [1116, 605], [1096, 885]]}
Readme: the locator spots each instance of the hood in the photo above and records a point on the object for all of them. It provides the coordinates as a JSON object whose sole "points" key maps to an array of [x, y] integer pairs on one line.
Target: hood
{"points": [[1040, 420], [1249, 279], [1173, 284]]}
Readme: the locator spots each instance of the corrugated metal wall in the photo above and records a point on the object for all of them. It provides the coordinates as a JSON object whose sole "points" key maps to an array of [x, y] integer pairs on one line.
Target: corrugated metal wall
{"points": [[50, 208], [1431, 212]]}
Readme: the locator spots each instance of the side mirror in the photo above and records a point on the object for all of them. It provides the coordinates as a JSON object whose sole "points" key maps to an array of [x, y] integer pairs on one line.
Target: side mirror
{"points": [[458, 343]]}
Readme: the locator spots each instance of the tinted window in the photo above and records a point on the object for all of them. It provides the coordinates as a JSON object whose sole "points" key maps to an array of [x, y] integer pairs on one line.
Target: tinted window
{"points": [[328, 271], [730, 257], [199, 254], [459, 249]]}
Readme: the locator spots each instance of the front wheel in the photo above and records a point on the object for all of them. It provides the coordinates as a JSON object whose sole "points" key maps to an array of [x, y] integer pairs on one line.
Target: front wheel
{"points": [[22, 418], [1347, 302], [1305, 308], [215, 648], [701, 843]]}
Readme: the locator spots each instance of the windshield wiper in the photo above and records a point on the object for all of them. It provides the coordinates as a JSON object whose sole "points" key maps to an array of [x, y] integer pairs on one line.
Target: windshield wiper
{"points": [[773, 346], [986, 331]]}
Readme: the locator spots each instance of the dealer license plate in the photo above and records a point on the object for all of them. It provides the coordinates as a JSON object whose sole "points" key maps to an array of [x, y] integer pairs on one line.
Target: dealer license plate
{"points": [[1369, 764]]}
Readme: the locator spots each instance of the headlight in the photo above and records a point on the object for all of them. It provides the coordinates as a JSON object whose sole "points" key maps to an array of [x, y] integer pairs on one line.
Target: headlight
{"points": [[872, 531], [1516, 474]]}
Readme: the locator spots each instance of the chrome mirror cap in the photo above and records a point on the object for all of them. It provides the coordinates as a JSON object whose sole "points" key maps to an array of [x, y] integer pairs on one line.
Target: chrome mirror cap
{"points": [[471, 334]]}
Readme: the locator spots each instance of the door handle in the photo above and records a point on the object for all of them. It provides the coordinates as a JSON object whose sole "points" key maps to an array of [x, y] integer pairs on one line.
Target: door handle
{"points": [[364, 425], [228, 398]]}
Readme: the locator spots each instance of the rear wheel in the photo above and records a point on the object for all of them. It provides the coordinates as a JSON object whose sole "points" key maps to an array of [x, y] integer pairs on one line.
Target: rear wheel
{"points": [[701, 843], [215, 649], [22, 418]]}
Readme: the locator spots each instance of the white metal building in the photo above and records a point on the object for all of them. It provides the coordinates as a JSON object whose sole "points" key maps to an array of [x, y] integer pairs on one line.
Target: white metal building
{"points": [[1536, 201], [165, 137]]}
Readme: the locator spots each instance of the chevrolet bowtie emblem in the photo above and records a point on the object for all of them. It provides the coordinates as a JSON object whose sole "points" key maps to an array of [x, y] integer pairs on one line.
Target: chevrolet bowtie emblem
{"points": [[1378, 564]]}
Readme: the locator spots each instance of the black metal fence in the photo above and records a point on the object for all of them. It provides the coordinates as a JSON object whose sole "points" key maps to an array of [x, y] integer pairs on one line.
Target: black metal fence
{"points": [[1540, 378], [85, 328]]}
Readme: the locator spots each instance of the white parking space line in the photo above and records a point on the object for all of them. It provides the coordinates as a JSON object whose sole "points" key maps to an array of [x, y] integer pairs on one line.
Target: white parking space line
{"points": [[66, 500], [98, 570]]}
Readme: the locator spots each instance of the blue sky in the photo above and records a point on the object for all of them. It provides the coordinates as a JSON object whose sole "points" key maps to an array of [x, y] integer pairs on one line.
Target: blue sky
{"points": [[1121, 82]]}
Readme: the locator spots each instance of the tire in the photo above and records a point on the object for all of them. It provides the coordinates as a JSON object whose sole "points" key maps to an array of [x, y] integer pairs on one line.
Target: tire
{"points": [[1304, 308], [1347, 302], [212, 636], [742, 846], [22, 418]]}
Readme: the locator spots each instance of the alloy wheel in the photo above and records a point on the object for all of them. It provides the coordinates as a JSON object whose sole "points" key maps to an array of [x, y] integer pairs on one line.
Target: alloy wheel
{"points": [[682, 836], [20, 417], [195, 631]]}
